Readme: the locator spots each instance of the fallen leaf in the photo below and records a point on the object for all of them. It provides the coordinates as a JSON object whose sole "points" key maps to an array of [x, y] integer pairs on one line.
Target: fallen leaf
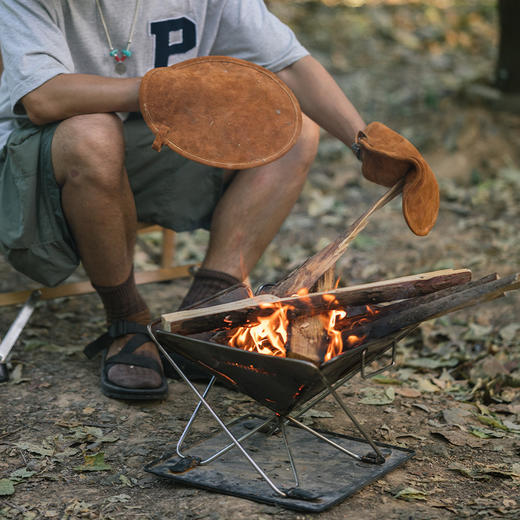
{"points": [[491, 421], [125, 481], [477, 332], [91, 434], [94, 463], [34, 448], [119, 498], [385, 380], [422, 407], [455, 415], [407, 392], [412, 435], [6, 487], [484, 433], [457, 438], [377, 397], [511, 426], [498, 471], [19, 474], [466, 472], [510, 332], [15, 377], [410, 493], [424, 385], [431, 363]]}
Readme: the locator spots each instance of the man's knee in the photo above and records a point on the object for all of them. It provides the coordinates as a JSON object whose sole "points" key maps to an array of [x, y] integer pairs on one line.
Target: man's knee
{"points": [[88, 148], [306, 147]]}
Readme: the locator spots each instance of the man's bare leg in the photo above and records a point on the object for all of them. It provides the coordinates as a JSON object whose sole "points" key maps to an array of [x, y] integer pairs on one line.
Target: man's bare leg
{"points": [[254, 207], [88, 160]]}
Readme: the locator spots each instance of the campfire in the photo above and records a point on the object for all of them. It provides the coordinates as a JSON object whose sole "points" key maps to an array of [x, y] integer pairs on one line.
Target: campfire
{"points": [[271, 334], [320, 326]]}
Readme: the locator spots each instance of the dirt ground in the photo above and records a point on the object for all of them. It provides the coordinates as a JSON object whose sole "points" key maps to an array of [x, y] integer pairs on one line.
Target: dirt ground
{"points": [[424, 69]]}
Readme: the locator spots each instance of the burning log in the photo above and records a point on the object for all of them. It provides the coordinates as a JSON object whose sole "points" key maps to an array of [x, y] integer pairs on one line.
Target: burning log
{"points": [[411, 312], [247, 311], [307, 338], [373, 331], [314, 267]]}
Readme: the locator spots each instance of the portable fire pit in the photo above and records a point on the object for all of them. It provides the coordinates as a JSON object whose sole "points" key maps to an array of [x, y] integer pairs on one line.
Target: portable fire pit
{"points": [[289, 388], [288, 353]]}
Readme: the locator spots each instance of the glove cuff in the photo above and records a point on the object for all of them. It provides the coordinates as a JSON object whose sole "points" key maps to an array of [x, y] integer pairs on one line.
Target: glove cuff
{"points": [[356, 150]]}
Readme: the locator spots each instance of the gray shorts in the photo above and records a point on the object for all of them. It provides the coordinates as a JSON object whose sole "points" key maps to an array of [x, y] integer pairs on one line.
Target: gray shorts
{"points": [[34, 236]]}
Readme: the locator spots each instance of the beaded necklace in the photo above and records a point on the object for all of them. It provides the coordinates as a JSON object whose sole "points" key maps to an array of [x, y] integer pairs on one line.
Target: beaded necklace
{"points": [[119, 55]]}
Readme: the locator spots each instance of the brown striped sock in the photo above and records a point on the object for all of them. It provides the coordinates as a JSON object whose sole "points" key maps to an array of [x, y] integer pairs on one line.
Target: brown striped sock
{"points": [[206, 283], [123, 302]]}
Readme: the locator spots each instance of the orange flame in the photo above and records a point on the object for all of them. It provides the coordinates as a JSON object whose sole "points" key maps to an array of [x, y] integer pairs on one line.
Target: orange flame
{"points": [[269, 334], [335, 340]]}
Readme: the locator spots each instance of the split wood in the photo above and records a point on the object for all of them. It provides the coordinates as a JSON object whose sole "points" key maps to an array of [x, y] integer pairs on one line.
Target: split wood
{"points": [[243, 312], [410, 312], [306, 332], [314, 267]]}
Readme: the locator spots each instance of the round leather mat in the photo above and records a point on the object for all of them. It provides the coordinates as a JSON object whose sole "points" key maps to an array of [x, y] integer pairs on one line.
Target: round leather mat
{"points": [[220, 111]]}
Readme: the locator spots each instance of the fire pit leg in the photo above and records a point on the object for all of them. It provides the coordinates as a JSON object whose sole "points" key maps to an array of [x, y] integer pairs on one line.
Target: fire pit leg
{"points": [[364, 375], [192, 420], [323, 438], [379, 458], [202, 400], [240, 439], [283, 429]]}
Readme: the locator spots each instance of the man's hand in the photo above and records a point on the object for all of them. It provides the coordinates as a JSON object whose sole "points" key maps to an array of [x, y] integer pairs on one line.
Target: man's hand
{"points": [[68, 95], [387, 157]]}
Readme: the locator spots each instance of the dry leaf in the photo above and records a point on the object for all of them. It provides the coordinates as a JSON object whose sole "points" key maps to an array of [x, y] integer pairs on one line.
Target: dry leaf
{"points": [[455, 415], [458, 438], [407, 392], [410, 493]]}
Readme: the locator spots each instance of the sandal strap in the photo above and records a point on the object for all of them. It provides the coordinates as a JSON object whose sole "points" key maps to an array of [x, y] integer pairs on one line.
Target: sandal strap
{"points": [[127, 355], [116, 330], [132, 359]]}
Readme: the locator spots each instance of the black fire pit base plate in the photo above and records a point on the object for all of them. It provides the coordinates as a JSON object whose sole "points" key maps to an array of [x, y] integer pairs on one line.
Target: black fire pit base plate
{"points": [[326, 474]]}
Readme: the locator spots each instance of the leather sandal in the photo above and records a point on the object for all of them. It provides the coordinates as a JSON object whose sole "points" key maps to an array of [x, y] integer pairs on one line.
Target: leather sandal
{"points": [[126, 356]]}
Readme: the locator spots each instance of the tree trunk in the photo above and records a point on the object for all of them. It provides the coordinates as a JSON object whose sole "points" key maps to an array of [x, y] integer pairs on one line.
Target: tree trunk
{"points": [[508, 65]]}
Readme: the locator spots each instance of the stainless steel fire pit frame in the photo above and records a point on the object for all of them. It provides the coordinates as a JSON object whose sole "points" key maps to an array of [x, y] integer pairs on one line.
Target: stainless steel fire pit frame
{"points": [[278, 421]]}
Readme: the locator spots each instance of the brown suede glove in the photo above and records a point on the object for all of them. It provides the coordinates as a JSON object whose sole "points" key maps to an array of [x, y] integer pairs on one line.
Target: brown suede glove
{"points": [[220, 111], [386, 157]]}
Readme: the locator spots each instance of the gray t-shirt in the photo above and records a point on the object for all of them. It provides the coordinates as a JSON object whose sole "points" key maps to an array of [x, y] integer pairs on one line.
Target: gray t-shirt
{"points": [[40, 39]]}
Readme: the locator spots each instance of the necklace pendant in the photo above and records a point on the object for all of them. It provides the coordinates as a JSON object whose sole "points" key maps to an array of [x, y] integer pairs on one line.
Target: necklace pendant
{"points": [[120, 67]]}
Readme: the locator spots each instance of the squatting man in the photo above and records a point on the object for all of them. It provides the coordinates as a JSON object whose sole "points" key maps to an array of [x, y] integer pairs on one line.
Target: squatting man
{"points": [[77, 171]]}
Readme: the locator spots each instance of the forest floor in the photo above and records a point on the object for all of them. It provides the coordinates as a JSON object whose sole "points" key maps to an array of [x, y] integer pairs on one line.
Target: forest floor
{"points": [[423, 69]]}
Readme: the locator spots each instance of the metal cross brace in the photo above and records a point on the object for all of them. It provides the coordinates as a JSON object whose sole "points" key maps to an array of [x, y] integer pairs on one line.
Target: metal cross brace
{"points": [[275, 422]]}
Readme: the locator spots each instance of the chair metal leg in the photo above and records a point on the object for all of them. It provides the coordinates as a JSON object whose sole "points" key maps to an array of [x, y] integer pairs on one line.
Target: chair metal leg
{"points": [[14, 332]]}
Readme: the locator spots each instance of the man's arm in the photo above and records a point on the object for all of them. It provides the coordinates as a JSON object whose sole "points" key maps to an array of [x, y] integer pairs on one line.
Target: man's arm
{"points": [[322, 100], [68, 95]]}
